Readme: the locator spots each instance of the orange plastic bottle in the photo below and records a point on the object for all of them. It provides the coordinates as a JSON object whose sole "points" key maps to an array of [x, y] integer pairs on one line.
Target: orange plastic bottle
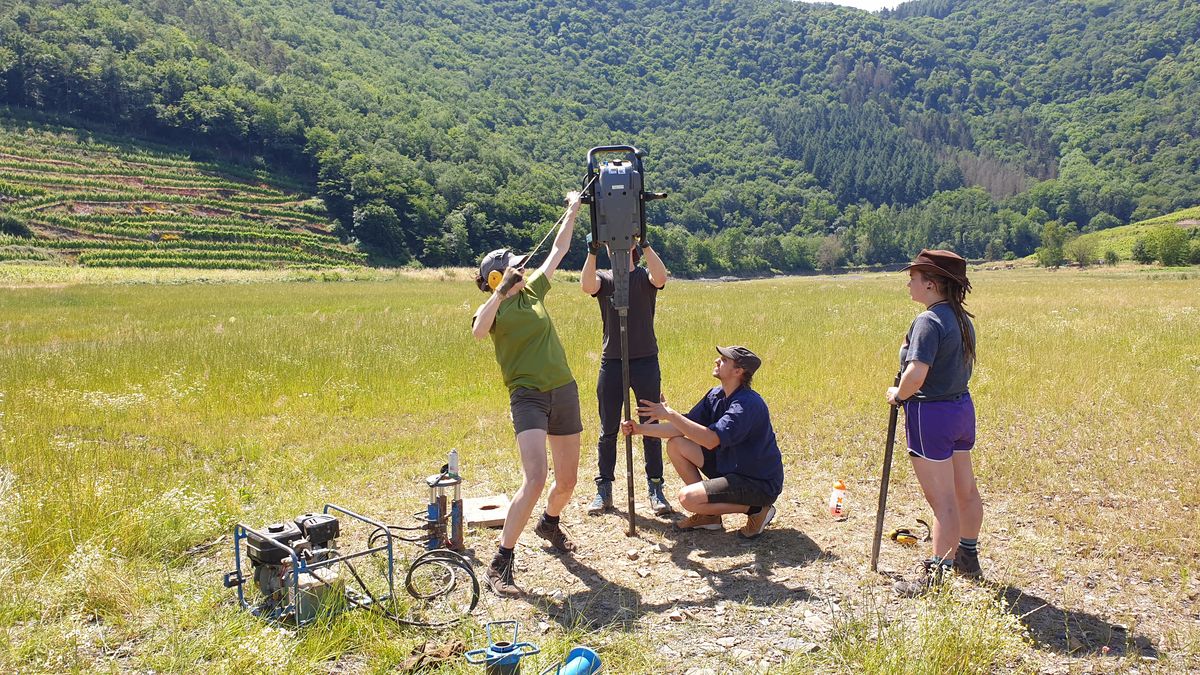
{"points": [[837, 501]]}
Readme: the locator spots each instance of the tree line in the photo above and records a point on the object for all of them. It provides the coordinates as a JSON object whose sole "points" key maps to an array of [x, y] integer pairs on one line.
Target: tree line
{"points": [[790, 135]]}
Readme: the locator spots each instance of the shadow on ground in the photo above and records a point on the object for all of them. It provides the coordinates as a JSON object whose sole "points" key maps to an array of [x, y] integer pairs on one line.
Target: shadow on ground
{"points": [[1069, 632], [763, 582]]}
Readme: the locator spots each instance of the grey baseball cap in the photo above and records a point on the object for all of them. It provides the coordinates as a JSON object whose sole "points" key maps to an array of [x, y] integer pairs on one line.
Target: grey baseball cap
{"points": [[742, 357], [497, 261]]}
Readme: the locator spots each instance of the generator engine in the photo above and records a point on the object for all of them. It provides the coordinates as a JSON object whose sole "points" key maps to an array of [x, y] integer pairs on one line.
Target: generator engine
{"points": [[313, 536], [299, 572], [290, 563]]}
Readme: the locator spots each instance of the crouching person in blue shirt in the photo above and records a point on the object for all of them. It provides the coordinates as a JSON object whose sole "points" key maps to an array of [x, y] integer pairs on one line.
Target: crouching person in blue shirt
{"points": [[726, 438]]}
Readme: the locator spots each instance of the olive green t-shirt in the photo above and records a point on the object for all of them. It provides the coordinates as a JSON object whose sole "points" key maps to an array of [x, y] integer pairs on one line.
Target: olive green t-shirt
{"points": [[527, 347]]}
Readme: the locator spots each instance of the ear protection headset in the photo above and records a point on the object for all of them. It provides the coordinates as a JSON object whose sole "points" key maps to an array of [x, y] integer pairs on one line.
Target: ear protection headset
{"points": [[494, 279], [907, 536]]}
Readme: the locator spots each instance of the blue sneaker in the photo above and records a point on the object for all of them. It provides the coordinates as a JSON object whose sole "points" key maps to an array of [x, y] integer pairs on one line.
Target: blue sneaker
{"points": [[658, 501], [603, 500]]}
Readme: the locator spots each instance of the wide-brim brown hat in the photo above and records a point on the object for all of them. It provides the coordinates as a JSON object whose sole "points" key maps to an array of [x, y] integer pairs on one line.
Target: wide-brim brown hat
{"points": [[943, 264]]}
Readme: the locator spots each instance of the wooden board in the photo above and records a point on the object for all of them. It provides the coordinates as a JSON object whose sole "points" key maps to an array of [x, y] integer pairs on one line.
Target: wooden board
{"points": [[485, 511]]}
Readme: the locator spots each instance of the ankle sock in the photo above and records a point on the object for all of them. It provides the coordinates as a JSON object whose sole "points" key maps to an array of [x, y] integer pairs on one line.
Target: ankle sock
{"points": [[969, 545], [504, 555], [549, 519], [753, 510]]}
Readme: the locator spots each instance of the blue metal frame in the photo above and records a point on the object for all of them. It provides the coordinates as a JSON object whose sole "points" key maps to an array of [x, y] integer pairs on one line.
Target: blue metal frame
{"points": [[504, 656], [241, 532]]}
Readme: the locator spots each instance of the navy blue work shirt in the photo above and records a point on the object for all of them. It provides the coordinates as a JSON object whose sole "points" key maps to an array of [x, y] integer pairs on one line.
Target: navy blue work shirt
{"points": [[743, 425]]}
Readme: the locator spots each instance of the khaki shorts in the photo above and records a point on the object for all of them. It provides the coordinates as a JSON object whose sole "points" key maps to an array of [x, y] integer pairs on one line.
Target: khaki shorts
{"points": [[556, 411]]}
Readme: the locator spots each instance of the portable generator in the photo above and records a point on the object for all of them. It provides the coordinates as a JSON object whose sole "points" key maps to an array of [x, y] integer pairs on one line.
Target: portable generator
{"points": [[296, 566]]}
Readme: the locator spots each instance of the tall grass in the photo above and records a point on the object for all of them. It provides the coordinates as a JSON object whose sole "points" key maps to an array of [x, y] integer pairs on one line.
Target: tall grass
{"points": [[954, 632], [139, 421]]}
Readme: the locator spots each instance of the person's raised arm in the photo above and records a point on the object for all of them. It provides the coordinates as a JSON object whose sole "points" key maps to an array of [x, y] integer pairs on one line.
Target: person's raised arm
{"points": [[588, 281], [655, 267], [481, 323], [562, 242]]}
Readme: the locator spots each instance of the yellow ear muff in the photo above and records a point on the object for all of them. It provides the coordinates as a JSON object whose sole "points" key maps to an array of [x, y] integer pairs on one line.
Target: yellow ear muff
{"points": [[494, 279]]}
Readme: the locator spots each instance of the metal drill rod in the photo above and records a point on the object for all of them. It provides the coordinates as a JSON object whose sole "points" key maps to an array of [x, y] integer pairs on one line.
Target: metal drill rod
{"points": [[883, 483]]}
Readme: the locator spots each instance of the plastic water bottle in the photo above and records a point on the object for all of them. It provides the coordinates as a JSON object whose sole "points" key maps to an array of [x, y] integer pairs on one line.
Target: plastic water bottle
{"points": [[837, 501], [452, 463]]}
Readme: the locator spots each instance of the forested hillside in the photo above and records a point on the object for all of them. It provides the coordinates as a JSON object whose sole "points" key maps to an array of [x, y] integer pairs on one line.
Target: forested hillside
{"points": [[790, 135]]}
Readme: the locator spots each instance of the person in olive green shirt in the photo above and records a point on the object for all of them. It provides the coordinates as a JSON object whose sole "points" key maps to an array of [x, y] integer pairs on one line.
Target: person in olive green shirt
{"points": [[543, 397]]}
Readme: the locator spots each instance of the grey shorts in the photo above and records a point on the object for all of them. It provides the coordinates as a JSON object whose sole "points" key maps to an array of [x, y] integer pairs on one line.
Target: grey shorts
{"points": [[733, 488], [556, 411]]}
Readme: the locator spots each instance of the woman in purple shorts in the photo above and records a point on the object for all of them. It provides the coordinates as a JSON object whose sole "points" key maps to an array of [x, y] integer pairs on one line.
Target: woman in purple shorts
{"points": [[939, 418]]}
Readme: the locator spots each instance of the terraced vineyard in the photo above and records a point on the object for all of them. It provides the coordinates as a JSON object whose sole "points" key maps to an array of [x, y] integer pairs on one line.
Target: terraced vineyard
{"points": [[71, 197]]}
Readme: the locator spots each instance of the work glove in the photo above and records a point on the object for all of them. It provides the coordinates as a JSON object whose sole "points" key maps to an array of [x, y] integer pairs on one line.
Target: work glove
{"points": [[512, 277], [594, 247]]}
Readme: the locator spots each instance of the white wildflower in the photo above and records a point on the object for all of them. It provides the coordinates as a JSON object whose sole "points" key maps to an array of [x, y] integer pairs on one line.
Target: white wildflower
{"points": [[84, 565], [269, 649], [110, 401], [10, 498]]}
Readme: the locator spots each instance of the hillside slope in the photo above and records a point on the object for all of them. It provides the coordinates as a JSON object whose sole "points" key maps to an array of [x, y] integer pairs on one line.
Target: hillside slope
{"points": [[72, 196], [436, 130], [1121, 240]]}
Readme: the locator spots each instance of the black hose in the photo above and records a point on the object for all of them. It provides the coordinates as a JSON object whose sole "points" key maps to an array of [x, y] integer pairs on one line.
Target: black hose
{"points": [[441, 557]]}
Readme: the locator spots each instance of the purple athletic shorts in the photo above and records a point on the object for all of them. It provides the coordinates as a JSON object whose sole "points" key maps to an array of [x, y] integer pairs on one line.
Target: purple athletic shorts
{"points": [[938, 429]]}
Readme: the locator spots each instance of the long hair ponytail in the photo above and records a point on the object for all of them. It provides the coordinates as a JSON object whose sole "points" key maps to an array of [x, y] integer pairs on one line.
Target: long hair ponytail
{"points": [[956, 295]]}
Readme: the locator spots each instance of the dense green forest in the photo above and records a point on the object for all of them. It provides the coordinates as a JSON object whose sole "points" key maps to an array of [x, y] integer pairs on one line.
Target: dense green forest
{"points": [[790, 135]]}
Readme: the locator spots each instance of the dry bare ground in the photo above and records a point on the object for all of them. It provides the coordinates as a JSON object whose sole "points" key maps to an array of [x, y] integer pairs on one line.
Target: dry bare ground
{"points": [[714, 600]]}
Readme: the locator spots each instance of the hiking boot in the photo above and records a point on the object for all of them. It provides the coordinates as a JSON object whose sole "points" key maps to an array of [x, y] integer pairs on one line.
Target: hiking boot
{"points": [[756, 523], [929, 576], [658, 501], [967, 564], [603, 501], [500, 578], [553, 533], [699, 521]]}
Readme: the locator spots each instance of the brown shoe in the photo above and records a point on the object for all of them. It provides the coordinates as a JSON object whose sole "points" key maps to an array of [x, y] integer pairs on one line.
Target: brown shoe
{"points": [[700, 521], [555, 535], [500, 578], [755, 524], [967, 564], [929, 577]]}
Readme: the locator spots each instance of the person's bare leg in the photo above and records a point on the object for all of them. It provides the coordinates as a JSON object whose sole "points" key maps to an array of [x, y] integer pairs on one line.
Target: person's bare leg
{"points": [[532, 446], [687, 457], [970, 504], [564, 453], [937, 482]]}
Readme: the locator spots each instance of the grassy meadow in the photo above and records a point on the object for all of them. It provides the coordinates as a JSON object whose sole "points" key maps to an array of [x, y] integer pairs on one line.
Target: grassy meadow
{"points": [[140, 421]]}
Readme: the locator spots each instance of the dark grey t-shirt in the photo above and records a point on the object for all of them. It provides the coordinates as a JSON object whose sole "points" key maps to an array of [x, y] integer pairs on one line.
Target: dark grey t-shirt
{"points": [[934, 338], [642, 297]]}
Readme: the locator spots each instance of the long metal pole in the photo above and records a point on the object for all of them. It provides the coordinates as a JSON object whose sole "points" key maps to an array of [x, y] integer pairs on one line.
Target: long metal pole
{"points": [[623, 312], [883, 483]]}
